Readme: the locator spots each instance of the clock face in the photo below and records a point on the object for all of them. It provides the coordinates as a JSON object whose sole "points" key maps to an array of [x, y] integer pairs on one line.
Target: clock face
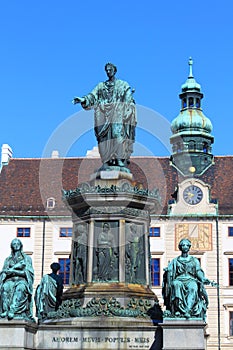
{"points": [[192, 195]]}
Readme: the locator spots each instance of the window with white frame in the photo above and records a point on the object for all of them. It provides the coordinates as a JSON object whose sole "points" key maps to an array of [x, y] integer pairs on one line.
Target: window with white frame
{"points": [[65, 232], [50, 204], [230, 231], [65, 269], [231, 323], [154, 231], [155, 272], [230, 271], [23, 232]]}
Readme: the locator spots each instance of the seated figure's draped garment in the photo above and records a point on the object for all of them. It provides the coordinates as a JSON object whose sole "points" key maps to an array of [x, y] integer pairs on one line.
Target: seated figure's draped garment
{"points": [[16, 291], [183, 291], [115, 119], [47, 295]]}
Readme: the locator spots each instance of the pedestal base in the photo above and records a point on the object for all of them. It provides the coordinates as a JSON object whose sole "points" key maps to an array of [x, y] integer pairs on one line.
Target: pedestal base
{"points": [[18, 335], [183, 334], [82, 333], [96, 334]]}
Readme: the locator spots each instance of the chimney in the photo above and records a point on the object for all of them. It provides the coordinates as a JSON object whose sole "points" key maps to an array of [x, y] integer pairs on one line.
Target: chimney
{"points": [[55, 154], [6, 154], [94, 152]]}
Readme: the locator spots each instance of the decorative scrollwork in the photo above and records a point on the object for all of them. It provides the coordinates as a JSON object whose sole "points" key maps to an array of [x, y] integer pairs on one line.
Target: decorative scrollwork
{"points": [[125, 187], [102, 307]]}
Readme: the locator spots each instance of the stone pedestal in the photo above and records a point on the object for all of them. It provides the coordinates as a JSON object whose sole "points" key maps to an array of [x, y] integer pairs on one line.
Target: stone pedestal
{"points": [[96, 333], [109, 300], [84, 333], [183, 334], [110, 244], [17, 334], [107, 303]]}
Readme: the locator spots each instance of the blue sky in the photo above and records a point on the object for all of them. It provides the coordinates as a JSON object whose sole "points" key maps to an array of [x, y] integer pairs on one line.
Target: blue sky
{"points": [[54, 50]]}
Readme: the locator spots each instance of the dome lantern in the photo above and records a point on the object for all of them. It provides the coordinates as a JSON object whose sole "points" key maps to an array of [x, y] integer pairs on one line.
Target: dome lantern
{"points": [[191, 140]]}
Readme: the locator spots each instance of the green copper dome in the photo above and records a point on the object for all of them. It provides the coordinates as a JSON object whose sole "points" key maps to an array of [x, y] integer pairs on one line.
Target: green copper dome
{"points": [[191, 84], [191, 138], [191, 120]]}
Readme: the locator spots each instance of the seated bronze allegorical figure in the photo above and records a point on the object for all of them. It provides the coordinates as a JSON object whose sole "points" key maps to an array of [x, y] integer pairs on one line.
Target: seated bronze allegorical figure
{"points": [[48, 295], [184, 283], [16, 284]]}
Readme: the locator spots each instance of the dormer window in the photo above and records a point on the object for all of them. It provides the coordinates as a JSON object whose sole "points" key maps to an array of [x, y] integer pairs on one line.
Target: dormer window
{"points": [[50, 203]]}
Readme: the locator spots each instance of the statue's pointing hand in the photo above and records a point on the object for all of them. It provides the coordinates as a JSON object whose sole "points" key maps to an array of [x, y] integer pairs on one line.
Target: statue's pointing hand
{"points": [[78, 100]]}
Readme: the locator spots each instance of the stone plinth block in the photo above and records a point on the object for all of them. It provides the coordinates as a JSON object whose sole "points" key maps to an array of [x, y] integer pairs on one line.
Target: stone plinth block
{"points": [[183, 334], [96, 334], [17, 334], [114, 175]]}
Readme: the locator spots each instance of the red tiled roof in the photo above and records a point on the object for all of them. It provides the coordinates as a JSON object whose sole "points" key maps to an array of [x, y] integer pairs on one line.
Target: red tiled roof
{"points": [[26, 184]]}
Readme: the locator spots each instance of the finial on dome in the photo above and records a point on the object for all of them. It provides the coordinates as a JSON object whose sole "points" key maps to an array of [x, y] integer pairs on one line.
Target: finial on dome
{"points": [[190, 67]]}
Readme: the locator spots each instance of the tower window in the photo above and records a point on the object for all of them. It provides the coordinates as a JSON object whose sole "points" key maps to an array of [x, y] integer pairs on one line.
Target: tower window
{"points": [[198, 102], [205, 147], [184, 103], [191, 103], [192, 146], [179, 147]]}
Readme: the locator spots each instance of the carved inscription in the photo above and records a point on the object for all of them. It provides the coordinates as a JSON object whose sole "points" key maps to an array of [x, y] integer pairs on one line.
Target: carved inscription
{"points": [[134, 342]]}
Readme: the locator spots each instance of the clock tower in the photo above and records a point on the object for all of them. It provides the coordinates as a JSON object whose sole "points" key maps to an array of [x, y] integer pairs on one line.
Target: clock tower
{"points": [[192, 205], [191, 140]]}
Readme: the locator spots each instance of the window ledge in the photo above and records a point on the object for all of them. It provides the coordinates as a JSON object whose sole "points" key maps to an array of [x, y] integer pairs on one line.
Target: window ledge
{"points": [[62, 253]]}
